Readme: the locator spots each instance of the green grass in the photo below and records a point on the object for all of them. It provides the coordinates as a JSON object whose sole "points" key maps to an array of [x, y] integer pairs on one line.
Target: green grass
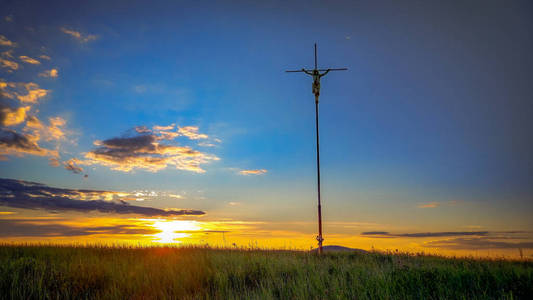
{"points": [[53, 272]]}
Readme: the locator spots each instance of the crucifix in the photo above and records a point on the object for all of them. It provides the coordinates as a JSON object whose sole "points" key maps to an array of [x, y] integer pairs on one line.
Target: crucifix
{"points": [[317, 73]]}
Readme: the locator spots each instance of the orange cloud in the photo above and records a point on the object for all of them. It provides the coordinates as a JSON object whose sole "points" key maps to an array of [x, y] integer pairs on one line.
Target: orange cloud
{"points": [[428, 205], [11, 117], [54, 162], [34, 93], [72, 165], [80, 37], [159, 128], [49, 73], [5, 42], [34, 123], [192, 133], [45, 57], [25, 92], [53, 132], [29, 60], [8, 64], [253, 172]]}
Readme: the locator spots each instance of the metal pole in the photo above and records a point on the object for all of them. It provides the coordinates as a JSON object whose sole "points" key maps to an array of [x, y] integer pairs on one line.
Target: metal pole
{"points": [[319, 237]]}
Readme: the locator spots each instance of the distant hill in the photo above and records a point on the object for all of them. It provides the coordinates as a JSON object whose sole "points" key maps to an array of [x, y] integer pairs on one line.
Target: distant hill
{"points": [[336, 248]]}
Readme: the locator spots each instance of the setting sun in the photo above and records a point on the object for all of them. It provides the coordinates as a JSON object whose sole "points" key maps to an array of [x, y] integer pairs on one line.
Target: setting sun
{"points": [[173, 230]]}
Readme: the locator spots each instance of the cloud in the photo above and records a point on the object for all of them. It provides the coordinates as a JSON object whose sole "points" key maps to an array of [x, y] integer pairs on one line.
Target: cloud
{"points": [[478, 243], [29, 60], [167, 132], [159, 127], [45, 57], [54, 162], [72, 165], [203, 144], [12, 116], [144, 151], [34, 93], [192, 133], [142, 129], [53, 132], [5, 42], [5, 63], [425, 234], [35, 228], [19, 144], [14, 143], [375, 233], [78, 35], [25, 92], [437, 204], [49, 73], [428, 205], [8, 18], [253, 172], [31, 195], [56, 129]]}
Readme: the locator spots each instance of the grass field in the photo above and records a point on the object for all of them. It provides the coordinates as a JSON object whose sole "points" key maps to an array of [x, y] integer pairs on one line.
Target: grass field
{"points": [[52, 272]]}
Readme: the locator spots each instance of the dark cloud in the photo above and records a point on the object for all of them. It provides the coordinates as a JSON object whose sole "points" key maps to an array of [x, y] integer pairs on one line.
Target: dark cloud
{"points": [[71, 165], [14, 143], [478, 243], [145, 151], [31, 195], [375, 233], [33, 228], [425, 234], [466, 240]]}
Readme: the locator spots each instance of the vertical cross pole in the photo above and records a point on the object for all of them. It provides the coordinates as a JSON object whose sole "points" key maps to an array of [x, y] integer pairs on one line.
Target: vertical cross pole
{"points": [[316, 91], [319, 237], [315, 73]]}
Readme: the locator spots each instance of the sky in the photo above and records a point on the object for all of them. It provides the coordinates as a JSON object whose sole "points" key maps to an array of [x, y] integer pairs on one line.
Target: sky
{"points": [[174, 122]]}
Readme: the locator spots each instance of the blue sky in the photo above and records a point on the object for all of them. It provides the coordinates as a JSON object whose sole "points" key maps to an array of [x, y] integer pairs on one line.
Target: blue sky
{"points": [[429, 129]]}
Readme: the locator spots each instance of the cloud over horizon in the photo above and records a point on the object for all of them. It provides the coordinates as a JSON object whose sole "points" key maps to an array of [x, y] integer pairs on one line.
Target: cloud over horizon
{"points": [[32, 195], [424, 234], [34, 228], [480, 243]]}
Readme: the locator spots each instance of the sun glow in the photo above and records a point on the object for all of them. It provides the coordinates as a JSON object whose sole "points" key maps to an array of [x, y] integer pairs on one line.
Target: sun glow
{"points": [[174, 230]]}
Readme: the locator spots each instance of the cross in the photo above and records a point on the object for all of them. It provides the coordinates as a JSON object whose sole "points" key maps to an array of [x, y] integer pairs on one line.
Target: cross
{"points": [[317, 74]]}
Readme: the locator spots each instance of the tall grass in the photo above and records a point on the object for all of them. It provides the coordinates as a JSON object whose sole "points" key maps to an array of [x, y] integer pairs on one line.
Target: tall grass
{"points": [[52, 272]]}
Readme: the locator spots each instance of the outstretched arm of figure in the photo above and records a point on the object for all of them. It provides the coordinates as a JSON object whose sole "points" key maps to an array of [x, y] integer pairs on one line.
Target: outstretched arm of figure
{"points": [[327, 71], [307, 72]]}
